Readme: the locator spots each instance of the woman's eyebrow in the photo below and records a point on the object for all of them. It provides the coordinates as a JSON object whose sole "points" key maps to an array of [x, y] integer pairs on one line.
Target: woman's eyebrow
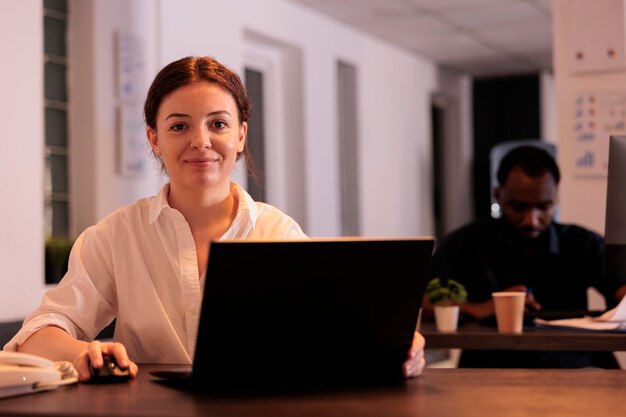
{"points": [[214, 113], [177, 115]]}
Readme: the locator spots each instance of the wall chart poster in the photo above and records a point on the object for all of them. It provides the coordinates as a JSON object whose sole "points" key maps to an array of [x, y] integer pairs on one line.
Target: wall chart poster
{"points": [[596, 116], [133, 145]]}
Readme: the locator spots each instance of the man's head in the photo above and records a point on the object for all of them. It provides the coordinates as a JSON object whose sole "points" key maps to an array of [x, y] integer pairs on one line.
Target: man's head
{"points": [[528, 179]]}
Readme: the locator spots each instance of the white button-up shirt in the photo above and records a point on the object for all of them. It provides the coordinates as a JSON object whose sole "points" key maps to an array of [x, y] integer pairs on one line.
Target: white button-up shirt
{"points": [[138, 265]]}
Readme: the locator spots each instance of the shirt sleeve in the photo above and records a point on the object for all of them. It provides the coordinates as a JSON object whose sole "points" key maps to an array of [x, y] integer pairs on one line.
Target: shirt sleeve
{"points": [[75, 305], [272, 223]]}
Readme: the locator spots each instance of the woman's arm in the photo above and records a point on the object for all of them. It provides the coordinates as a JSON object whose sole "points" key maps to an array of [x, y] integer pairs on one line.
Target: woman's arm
{"points": [[56, 344], [53, 343]]}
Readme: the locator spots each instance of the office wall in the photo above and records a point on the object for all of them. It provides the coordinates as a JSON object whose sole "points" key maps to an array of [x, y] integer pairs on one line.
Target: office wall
{"points": [[454, 97], [393, 104], [547, 107], [582, 197], [98, 185], [21, 159]]}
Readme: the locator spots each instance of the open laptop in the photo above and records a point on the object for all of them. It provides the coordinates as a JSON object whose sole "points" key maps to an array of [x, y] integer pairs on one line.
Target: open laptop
{"points": [[309, 313]]}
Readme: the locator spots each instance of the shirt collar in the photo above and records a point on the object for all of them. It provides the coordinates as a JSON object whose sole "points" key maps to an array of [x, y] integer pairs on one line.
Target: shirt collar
{"points": [[158, 203], [553, 243], [247, 210]]}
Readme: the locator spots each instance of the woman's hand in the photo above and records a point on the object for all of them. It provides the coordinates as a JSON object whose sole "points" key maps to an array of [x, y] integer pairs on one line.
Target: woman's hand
{"points": [[94, 353], [415, 363]]}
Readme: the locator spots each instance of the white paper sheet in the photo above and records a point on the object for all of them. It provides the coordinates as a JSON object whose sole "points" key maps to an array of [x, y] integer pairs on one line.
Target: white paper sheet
{"points": [[617, 314], [614, 319], [587, 323]]}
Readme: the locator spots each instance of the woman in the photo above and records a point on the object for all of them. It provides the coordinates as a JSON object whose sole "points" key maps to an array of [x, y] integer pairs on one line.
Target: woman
{"points": [[144, 264]]}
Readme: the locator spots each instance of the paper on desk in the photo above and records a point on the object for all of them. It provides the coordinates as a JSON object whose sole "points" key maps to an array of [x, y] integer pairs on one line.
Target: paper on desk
{"points": [[614, 319], [587, 323], [617, 314]]}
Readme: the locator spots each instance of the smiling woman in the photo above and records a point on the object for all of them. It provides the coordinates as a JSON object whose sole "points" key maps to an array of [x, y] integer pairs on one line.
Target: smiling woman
{"points": [[145, 264], [199, 137], [156, 249]]}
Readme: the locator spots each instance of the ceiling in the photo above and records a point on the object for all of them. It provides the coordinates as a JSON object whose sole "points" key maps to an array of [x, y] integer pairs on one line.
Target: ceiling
{"points": [[480, 37]]}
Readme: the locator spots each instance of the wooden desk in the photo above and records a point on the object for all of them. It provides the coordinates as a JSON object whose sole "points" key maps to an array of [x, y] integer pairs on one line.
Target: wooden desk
{"points": [[437, 393], [474, 336]]}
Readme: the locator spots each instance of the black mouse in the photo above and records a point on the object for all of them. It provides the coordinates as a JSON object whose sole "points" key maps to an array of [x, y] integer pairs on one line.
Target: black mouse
{"points": [[110, 372]]}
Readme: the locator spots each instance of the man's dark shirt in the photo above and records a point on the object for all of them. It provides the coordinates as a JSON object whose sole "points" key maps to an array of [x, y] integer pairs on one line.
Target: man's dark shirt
{"points": [[485, 256]]}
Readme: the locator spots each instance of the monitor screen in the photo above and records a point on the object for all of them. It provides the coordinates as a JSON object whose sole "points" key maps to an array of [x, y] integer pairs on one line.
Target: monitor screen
{"points": [[615, 221]]}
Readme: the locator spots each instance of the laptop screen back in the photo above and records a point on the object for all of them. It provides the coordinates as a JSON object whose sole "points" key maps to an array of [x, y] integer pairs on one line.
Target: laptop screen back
{"points": [[305, 313]]}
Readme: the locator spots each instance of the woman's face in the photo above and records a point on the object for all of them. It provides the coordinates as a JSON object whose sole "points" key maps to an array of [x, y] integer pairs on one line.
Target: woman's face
{"points": [[198, 135]]}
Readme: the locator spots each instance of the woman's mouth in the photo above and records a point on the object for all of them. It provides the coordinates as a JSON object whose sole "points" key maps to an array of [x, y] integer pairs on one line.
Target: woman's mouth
{"points": [[201, 162]]}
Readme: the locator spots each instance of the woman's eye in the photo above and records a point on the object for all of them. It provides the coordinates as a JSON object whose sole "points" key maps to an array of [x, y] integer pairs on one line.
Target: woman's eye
{"points": [[219, 124], [178, 127]]}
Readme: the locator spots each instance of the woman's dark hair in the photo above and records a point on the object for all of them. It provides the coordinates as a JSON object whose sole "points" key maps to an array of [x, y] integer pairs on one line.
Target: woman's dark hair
{"points": [[189, 70], [532, 160]]}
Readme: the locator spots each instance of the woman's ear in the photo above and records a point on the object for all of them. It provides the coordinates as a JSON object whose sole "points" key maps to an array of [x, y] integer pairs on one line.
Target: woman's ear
{"points": [[153, 140], [243, 131]]}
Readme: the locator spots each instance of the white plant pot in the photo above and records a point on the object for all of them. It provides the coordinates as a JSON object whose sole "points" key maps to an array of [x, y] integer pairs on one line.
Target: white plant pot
{"points": [[446, 318]]}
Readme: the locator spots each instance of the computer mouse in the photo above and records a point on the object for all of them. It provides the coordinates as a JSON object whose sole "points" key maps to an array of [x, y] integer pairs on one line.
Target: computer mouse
{"points": [[110, 372]]}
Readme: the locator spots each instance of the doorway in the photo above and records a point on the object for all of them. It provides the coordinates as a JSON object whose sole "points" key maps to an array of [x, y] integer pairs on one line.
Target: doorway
{"points": [[504, 109]]}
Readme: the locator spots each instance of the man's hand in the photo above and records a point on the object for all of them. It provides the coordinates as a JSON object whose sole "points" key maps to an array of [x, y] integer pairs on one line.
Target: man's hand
{"points": [[530, 298], [486, 308]]}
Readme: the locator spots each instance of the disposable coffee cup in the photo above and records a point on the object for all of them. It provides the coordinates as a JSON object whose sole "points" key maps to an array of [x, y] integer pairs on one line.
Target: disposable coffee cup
{"points": [[509, 310]]}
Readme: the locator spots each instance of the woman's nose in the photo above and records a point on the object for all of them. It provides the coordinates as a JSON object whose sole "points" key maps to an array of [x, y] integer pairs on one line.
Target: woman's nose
{"points": [[201, 139]]}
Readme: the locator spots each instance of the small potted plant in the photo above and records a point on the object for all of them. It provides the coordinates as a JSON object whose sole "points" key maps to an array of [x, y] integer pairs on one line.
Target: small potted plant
{"points": [[445, 295], [57, 253]]}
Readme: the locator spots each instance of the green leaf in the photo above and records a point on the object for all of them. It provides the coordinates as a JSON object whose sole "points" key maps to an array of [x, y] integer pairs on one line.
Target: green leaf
{"points": [[440, 291]]}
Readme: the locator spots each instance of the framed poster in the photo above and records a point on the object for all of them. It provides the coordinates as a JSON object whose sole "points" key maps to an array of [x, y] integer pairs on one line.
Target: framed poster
{"points": [[596, 116], [131, 66], [133, 149]]}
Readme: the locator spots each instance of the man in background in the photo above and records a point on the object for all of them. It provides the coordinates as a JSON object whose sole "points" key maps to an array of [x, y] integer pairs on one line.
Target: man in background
{"points": [[526, 250]]}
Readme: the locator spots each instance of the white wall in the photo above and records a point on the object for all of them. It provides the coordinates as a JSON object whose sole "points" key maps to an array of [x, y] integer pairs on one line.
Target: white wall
{"points": [[576, 192], [21, 161], [395, 133], [547, 107], [393, 103], [582, 200], [455, 99], [97, 186]]}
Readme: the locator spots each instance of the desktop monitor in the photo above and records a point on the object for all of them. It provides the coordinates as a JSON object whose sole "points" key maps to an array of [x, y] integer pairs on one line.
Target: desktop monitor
{"points": [[615, 221]]}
